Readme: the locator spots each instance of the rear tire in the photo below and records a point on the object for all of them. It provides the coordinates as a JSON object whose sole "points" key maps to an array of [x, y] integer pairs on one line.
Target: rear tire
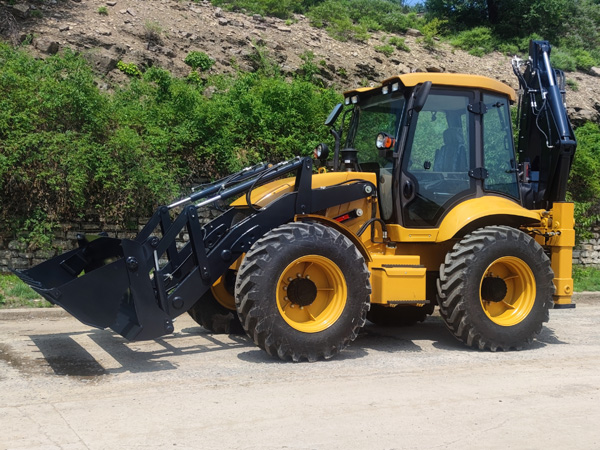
{"points": [[495, 289], [302, 292]]}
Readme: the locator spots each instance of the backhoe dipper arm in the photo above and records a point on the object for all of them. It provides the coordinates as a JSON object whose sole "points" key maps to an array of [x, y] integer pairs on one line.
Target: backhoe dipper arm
{"points": [[546, 142]]}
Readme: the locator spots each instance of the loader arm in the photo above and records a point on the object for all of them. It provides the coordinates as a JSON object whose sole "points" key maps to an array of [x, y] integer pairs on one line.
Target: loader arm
{"points": [[138, 286]]}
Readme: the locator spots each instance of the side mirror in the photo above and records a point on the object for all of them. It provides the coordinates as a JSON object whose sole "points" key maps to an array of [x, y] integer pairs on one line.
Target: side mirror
{"points": [[421, 96], [334, 114], [384, 141]]}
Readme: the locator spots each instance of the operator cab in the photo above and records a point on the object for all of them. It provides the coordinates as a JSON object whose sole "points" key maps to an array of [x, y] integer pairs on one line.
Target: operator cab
{"points": [[434, 140]]}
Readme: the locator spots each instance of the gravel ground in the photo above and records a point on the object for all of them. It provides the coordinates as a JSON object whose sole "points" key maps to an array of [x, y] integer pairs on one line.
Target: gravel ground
{"points": [[66, 386]]}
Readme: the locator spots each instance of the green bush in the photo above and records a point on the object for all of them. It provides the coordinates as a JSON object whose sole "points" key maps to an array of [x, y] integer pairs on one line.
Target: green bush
{"points": [[431, 30], [353, 19], [68, 150], [584, 184], [309, 69], [276, 8], [130, 69], [386, 49], [399, 43], [583, 59], [199, 60], [477, 41], [334, 17], [573, 85]]}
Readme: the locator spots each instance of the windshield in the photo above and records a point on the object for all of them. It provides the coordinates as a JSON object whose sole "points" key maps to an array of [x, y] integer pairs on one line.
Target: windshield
{"points": [[380, 113]]}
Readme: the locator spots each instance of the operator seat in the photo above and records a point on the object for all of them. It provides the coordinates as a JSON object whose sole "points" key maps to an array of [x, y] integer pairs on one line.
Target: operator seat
{"points": [[452, 156]]}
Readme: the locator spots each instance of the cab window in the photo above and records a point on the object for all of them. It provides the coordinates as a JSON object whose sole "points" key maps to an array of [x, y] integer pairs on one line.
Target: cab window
{"points": [[437, 159], [498, 148]]}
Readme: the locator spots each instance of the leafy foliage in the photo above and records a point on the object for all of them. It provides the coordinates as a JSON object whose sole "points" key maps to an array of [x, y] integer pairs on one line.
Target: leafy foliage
{"points": [[130, 69], [199, 60], [399, 43], [480, 27], [276, 8], [386, 49], [67, 149], [584, 185], [353, 19]]}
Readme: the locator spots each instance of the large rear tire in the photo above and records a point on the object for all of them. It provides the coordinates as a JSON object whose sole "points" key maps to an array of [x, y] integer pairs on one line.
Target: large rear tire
{"points": [[215, 310], [495, 289], [302, 292]]}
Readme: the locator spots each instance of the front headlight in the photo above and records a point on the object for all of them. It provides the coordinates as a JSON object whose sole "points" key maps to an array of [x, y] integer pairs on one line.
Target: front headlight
{"points": [[321, 152]]}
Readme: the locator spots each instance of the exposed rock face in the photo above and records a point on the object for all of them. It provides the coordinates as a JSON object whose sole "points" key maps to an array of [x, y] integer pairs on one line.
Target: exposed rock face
{"points": [[163, 32], [46, 46]]}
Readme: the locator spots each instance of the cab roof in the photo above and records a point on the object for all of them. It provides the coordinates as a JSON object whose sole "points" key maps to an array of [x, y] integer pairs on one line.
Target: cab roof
{"points": [[442, 79]]}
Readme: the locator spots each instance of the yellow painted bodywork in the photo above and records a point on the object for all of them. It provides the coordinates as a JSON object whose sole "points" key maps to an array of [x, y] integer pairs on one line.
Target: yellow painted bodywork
{"points": [[558, 235], [443, 79], [462, 215], [266, 193], [397, 279]]}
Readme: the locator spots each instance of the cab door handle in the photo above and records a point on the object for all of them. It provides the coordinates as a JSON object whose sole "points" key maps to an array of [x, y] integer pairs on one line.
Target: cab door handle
{"points": [[408, 189]]}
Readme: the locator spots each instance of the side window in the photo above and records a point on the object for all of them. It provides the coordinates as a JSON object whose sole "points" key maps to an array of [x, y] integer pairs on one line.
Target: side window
{"points": [[498, 148], [437, 159]]}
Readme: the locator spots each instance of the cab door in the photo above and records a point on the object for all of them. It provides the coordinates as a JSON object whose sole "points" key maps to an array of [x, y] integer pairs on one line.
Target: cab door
{"points": [[437, 158]]}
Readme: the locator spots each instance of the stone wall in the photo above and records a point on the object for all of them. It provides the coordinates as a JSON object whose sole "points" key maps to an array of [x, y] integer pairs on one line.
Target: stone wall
{"points": [[587, 253], [16, 254]]}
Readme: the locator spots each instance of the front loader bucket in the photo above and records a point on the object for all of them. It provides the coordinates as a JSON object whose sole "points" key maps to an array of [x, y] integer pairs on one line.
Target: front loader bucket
{"points": [[89, 282]]}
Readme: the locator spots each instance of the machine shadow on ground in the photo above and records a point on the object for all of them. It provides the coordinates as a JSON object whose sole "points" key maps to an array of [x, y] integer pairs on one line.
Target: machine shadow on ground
{"points": [[67, 354]]}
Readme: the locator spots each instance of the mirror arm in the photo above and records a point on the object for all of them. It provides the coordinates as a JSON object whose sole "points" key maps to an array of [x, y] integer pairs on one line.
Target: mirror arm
{"points": [[336, 150]]}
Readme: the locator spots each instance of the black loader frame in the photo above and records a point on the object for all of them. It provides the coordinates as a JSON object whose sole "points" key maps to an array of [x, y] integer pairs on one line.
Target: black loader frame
{"points": [[138, 286]]}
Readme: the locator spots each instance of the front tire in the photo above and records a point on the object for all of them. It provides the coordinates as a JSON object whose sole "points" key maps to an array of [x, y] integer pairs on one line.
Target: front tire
{"points": [[495, 289], [302, 292], [215, 310]]}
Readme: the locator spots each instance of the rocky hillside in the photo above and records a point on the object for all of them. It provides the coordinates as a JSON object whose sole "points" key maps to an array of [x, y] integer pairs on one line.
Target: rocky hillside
{"points": [[163, 32]]}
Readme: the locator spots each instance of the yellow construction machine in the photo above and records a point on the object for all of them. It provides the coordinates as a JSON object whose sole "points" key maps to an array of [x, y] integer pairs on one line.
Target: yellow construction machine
{"points": [[424, 200]]}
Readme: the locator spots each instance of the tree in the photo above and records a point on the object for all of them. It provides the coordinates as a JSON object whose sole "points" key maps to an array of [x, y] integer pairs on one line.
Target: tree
{"points": [[508, 18]]}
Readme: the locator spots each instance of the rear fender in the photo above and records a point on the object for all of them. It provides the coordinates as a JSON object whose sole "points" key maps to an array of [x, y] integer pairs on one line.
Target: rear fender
{"points": [[478, 210]]}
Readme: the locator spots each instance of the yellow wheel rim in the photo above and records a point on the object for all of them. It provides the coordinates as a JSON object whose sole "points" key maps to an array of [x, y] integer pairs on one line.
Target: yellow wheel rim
{"points": [[222, 295], [507, 291], [311, 293]]}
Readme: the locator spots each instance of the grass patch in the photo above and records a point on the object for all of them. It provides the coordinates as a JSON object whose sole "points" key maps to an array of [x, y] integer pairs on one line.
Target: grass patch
{"points": [[586, 279], [16, 294]]}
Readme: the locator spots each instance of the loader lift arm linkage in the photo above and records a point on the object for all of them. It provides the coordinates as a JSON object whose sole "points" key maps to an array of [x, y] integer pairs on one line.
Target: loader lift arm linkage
{"points": [[124, 286]]}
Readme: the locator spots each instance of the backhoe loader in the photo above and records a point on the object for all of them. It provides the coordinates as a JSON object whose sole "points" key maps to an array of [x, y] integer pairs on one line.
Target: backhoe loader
{"points": [[425, 199]]}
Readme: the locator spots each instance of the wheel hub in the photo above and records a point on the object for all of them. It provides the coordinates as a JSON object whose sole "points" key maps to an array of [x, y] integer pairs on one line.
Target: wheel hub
{"points": [[493, 289], [302, 291]]}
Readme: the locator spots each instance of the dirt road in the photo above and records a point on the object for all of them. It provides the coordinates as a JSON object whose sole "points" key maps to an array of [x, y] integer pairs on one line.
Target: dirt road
{"points": [[66, 386]]}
